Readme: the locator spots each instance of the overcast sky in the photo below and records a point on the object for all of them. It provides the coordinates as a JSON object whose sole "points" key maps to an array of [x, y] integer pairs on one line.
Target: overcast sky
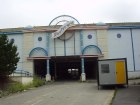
{"points": [[21, 13]]}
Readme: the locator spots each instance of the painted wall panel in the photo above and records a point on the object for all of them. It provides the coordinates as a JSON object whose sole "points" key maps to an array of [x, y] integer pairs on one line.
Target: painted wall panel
{"points": [[42, 43], [59, 47], [77, 43], [121, 47], [51, 47], [136, 43], [70, 45], [28, 45], [18, 41], [20, 66], [70, 51], [59, 51], [102, 42], [89, 37]]}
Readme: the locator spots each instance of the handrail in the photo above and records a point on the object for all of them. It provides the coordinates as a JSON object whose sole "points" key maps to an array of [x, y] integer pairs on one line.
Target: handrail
{"points": [[22, 73]]}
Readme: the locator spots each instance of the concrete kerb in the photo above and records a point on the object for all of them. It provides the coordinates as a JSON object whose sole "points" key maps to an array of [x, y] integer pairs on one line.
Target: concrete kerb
{"points": [[134, 81], [109, 99]]}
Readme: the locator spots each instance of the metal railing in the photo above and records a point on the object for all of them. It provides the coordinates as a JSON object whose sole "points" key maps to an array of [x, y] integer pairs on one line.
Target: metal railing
{"points": [[22, 73]]}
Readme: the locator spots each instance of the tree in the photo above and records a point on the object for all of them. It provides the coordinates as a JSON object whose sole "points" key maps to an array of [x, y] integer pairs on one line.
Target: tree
{"points": [[8, 56]]}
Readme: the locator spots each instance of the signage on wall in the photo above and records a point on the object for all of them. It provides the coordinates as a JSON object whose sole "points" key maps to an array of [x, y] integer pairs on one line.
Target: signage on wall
{"points": [[62, 29]]}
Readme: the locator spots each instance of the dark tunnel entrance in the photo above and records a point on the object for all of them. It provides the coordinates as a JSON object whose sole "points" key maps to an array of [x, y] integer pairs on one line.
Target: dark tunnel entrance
{"points": [[40, 68], [65, 68], [91, 66]]}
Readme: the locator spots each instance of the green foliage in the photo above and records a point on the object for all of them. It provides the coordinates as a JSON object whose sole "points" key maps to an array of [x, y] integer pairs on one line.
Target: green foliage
{"points": [[38, 82], [15, 87], [28, 86], [12, 88], [19, 87], [8, 56]]}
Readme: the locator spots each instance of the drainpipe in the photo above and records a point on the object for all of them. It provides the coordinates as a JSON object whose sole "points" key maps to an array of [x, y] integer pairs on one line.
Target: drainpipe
{"points": [[133, 49]]}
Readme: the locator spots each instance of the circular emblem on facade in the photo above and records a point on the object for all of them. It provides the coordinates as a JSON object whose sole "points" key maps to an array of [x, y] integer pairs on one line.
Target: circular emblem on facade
{"points": [[119, 35], [39, 38], [89, 36], [66, 36], [62, 19], [12, 40], [64, 22]]}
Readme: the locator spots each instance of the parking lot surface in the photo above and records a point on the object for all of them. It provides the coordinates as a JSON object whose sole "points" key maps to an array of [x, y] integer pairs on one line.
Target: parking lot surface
{"points": [[62, 93]]}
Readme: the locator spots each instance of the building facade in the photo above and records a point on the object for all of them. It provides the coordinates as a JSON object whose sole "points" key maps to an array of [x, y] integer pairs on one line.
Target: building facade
{"points": [[65, 51]]}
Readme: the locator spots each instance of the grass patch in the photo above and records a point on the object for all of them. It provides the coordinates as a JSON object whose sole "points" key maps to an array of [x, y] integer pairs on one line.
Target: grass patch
{"points": [[38, 82], [14, 87], [11, 88]]}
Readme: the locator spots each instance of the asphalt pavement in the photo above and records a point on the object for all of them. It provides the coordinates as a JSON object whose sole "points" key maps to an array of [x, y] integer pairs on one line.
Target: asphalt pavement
{"points": [[128, 96], [62, 93]]}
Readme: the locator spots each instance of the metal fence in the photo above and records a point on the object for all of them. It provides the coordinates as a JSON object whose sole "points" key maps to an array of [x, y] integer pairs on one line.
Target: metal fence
{"points": [[21, 73]]}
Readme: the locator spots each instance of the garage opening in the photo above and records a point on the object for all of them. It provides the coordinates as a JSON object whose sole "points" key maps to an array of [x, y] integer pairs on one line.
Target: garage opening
{"points": [[91, 66], [40, 68], [65, 68]]}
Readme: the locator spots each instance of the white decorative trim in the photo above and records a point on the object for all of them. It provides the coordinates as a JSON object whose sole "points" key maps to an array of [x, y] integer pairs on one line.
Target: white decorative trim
{"points": [[62, 29], [83, 77], [48, 77]]}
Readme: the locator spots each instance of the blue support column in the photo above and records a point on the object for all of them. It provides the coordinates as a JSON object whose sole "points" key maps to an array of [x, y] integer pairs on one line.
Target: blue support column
{"points": [[83, 75], [48, 42], [48, 67], [81, 41], [82, 64], [48, 76]]}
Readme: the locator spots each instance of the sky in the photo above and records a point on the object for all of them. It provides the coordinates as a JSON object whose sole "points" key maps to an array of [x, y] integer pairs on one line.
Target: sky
{"points": [[23, 13]]}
